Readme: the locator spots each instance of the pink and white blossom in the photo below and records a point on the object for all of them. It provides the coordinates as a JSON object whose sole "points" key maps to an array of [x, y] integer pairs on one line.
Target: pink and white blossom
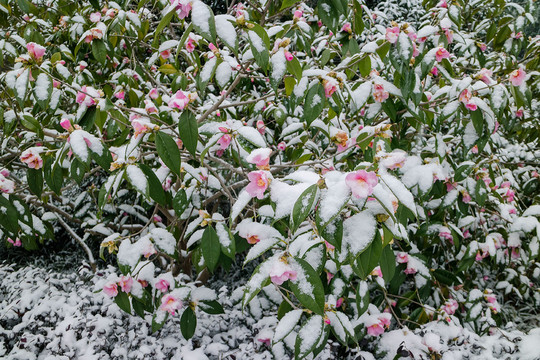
{"points": [[517, 77], [361, 183], [170, 303], [32, 158], [260, 158], [281, 272], [258, 183], [392, 34], [35, 51]]}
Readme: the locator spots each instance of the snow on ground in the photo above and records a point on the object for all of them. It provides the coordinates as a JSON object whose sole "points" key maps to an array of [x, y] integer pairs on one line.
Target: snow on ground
{"points": [[47, 315]]}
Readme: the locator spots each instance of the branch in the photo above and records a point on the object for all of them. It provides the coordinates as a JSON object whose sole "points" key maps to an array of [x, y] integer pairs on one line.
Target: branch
{"points": [[80, 241]]}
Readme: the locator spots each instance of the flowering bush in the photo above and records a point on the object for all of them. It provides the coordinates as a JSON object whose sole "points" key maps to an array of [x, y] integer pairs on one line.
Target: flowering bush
{"points": [[380, 174]]}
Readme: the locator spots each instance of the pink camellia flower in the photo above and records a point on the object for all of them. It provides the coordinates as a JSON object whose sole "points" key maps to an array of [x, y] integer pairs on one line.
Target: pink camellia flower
{"points": [[120, 95], [150, 107], [260, 157], [474, 149], [444, 234], [281, 272], [465, 96], [485, 76], [95, 17], [330, 86], [298, 14], [56, 84], [288, 56], [258, 183], [125, 282], [375, 328], [82, 65], [6, 186], [482, 46], [32, 158], [377, 272], [190, 45], [165, 54], [5, 172], [179, 100], [361, 183], [224, 141], [379, 94], [471, 105], [87, 96], [402, 258], [466, 196], [140, 127], [16, 243], [92, 34], [519, 113], [434, 71], [510, 195], [442, 4], [449, 35], [162, 285], [36, 51], [411, 269], [395, 160], [110, 289], [66, 124], [519, 35], [170, 303], [466, 234], [517, 77], [153, 94], [261, 128], [441, 53], [111, 13], [347, 28], [183, 7], [450, 306], [281, 146], [213, 48], [392, 34]]}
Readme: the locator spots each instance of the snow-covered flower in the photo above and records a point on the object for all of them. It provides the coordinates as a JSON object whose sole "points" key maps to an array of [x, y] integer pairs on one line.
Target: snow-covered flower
{"points": [[180, 100], [450, 306], [92, 34], [441, 54], [183, 7], [88, 96], [379, 94], [281, 272], [402, 257], [110, 289], [36, 51], [32, 158], [298, 14], [361, 183], [95, 17], [153, 94], [6, 186], [162, 285], [485, 76], [258, 183], [347, 28], [260, 157], [170, 303], [330, 86], [395, 160], [392, 34], [225, 140], [125, 282], [66, 124], [282, 146], [150, 107], [517, 76]]}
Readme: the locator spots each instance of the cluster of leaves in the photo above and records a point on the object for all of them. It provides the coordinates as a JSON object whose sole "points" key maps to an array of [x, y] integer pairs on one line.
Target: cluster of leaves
{"points": [[181, 141]]}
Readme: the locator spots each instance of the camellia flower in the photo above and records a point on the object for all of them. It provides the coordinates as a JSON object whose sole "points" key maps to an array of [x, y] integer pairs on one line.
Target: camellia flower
{"points": [[92, 34], [281, 146], [110, 289], [465, 96], [450, 306], [442, 4], [379, 94], [347, 28], [375, 329], [260, 157], [261, 128], [162, 285], [66, 124], [224, 141], [6, 186], [125, 283], [258, 184], [87, 96], [482, 46], [298, 14], [153, 94], [32, 158], [165, 54], [361, 183], [190, 45], [120, 95], [411, 269], [434, 71], [150, 107], [95, 17], [392, 34], [441, 53], [281, 272], [170, 303], [36, 51], [402, 258], [16, 243], [485, 76], [330, 86], [288, 56], [179, 100], [394, 160], [183, 7], [517, 77], [82, 65]]}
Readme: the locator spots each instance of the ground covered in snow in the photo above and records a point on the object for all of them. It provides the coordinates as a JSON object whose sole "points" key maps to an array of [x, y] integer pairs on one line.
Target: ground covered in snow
{"points": [[57, 314]]}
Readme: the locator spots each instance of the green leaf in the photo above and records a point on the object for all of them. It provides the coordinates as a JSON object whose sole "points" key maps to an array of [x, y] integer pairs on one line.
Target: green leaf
{"points": [[363, 140], [167, 69], [138, 307], [155, 189], [478, 121], [314, 104], [303, 206], [156, 326], [211, 307], [188, 323], [362, 298], [189, 131], [446, 277], [180, 202], [35, 181], [358, 22], [329, 11], [287, 3], [168, 151], [260, 51], [388, 263], [364, 65], [53, 175], [122, 300], [314, 300], [99, 50], [164, 22], [334, 236], [295, 68], [211, 248], [369, 258], [462, 172], [8, 216], [290, 82], [382, 51], [202, 9]]}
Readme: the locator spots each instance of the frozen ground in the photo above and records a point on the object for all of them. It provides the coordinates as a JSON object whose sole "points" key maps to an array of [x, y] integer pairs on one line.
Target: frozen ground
{"points": [[47, 314]]}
